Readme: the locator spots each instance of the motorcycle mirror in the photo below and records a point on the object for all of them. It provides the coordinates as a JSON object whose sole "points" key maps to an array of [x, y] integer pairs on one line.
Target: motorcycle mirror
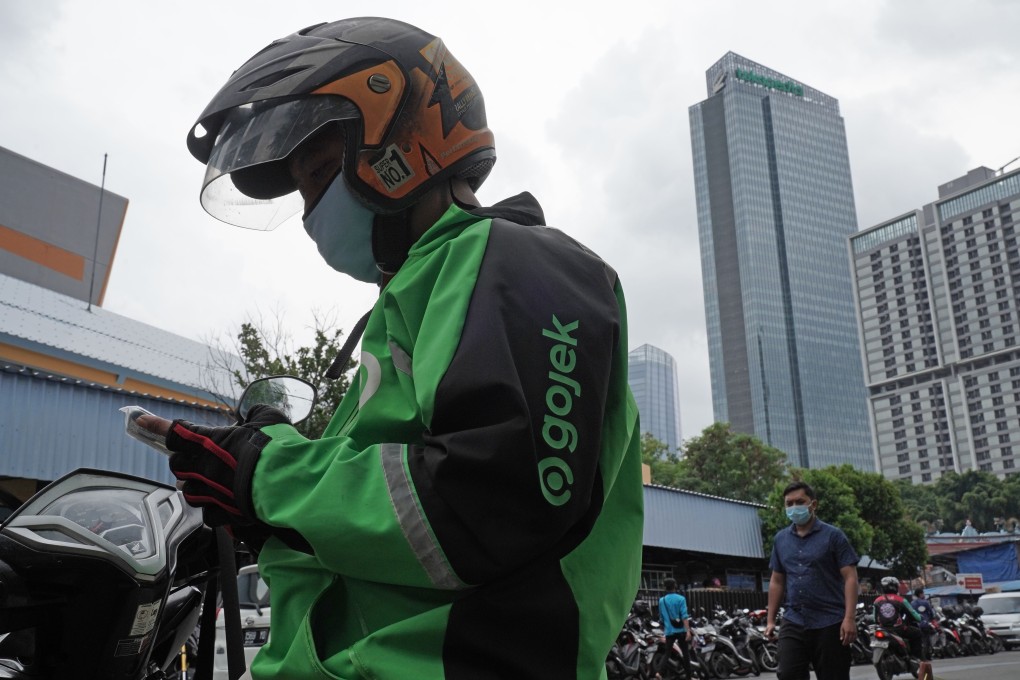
{"points": [[292, 395]]}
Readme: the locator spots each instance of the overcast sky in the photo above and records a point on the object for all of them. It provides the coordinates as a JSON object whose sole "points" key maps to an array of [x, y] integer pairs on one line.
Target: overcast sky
{"points": [[588, 102]]}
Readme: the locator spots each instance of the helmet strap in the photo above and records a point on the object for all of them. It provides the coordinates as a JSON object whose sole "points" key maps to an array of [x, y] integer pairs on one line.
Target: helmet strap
{"points": [[391, 240]]}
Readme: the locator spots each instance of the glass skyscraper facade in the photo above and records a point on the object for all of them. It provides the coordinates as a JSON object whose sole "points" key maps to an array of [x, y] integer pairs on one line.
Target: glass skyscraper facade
{"points": [[653, 380], [938, 301], [775, 208]]}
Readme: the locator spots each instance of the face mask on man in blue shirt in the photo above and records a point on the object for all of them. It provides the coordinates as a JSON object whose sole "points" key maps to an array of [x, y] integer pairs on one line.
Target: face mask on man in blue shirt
{"points": [[798, 514]]}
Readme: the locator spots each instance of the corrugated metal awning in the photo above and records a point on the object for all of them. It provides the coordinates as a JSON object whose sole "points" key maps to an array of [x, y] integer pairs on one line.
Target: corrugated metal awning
{"points": [[41, 320], [50, 426], [685, 520]]}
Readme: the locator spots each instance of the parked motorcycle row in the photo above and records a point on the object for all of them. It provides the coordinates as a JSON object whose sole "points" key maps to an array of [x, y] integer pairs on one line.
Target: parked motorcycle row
{"points": [[733, 644], [724, 644]]}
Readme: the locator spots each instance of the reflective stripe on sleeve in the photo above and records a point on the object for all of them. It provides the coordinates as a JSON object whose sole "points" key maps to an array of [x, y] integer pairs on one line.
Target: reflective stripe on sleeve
{"points": [[412, 523], [401, 360]]}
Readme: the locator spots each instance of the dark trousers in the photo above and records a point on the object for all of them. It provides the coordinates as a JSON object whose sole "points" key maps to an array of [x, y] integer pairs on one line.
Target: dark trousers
{"points": [[685, 649], [819, 647], [662, 661], [913, 637]]}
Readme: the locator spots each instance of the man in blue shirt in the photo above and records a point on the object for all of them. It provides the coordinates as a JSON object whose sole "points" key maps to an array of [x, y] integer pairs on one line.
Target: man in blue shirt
{"points": [[815, 568], [923, 607], [676, 623]]}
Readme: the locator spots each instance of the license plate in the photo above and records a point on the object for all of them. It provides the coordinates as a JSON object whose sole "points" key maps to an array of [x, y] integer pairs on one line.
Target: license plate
{"points": [[255, 637], [883, 644]]}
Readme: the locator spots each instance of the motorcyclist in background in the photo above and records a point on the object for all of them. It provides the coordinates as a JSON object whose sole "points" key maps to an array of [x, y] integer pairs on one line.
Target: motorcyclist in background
{"points": [[895, 613], [483, 474]]}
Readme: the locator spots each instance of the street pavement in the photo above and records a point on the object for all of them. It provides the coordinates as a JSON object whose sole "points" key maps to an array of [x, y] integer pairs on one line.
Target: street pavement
{"points": [[1001, 666]]}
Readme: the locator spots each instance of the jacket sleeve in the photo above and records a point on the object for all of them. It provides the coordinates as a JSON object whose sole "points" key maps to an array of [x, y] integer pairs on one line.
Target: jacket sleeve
{"points": [[511, 389], [910, 610]]}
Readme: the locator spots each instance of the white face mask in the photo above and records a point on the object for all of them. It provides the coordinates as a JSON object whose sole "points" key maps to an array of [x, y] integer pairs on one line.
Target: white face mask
{"points": [[342, 230]]}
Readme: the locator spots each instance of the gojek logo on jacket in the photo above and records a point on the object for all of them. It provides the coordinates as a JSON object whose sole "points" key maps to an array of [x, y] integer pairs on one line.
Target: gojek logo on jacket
{"points": [[558, 432]]}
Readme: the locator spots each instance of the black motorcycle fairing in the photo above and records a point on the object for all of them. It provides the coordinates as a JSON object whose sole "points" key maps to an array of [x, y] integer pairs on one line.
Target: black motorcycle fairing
{"points": [[81, 602]]}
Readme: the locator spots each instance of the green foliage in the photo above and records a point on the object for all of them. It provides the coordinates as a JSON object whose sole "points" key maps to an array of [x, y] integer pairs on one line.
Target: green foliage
{"points": [[919, 501], [953, 498], [663, 462], [836, 505], [719, 462], [725, 463], [898, 541], [266, 350], [867, 507]]}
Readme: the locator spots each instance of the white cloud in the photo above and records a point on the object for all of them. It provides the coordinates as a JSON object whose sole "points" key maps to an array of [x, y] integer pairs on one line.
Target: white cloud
{"points": [[588, 102]]}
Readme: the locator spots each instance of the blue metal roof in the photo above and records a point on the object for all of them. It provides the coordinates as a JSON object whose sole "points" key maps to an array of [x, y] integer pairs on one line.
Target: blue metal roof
{"points": [[58, 325], [686, 520], [50, 426]]}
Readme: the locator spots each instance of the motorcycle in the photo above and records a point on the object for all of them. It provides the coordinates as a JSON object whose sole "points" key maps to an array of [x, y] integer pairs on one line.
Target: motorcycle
{"points": [[722, 658], [860, 648], [950, 643], [105, 575], [628, 657], [702, 650], [669, 664], [747, 641], [891, 654], [970, 639], [988, 641], [765, 652]]}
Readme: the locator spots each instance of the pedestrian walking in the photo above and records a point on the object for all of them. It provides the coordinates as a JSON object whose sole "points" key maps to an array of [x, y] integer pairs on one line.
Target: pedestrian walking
{"points": [[814, 576], [677, 625]]}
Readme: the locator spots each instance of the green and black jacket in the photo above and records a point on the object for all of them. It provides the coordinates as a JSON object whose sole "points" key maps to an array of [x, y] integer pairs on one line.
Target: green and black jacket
{"points": [[475, 504]]}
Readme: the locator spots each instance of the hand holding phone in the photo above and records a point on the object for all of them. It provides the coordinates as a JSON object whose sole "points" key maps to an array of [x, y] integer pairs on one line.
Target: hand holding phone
{"points": [[146, 431]]}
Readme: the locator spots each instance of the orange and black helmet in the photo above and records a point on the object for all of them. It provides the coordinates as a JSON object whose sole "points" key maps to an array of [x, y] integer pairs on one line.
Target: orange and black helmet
{"points": [[412, 116]]}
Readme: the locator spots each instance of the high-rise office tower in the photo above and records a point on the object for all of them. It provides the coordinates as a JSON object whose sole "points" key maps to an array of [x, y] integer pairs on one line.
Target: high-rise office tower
{"points": [[652, 376], [938, 298], [775, 207]]}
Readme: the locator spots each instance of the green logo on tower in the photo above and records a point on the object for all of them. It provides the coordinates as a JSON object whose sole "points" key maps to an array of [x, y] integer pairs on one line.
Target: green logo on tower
{"points": [[771, 83]]}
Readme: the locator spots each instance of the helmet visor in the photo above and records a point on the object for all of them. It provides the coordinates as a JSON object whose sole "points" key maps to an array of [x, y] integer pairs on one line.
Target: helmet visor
{"points": [[247, 183]]}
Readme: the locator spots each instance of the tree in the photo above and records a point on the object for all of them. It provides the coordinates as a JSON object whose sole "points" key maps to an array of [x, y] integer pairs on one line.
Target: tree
{"points": [[836, 505], [920, 502], [980, 496], [266, 349], [869, 510], [725, 463], [898, 540], [662, 462]]}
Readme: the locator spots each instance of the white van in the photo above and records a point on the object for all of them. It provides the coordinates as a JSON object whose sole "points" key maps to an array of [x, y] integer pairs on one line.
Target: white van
{"points": [[253, 596], [1001, 615]]}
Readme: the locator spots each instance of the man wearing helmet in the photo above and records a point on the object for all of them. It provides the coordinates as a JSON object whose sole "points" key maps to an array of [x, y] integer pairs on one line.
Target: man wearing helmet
{"points": [[893, 612], [474, 508]]}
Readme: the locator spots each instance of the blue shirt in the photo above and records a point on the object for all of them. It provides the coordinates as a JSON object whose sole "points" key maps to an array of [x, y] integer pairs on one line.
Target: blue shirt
{"points": [[923, 607], [814, 587], [672, 606]]}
